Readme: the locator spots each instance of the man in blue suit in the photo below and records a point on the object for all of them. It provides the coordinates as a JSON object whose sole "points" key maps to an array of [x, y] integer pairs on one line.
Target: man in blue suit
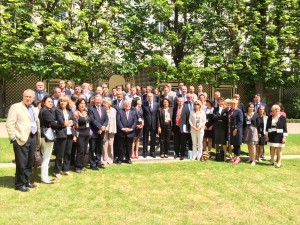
{"points": [[126, 124], [98, 122], [150, 108]]}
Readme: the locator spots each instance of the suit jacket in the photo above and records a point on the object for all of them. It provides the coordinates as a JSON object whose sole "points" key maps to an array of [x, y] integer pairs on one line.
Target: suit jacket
{"points": [[96, 122], [68, 92], [261, 104], [115, 104], [220, 120], [47, 119], [169, 97], [123, 122], [36, 98], [236, 122], [184, 119], [60, 118], [18, 123], [161, 117], [155, 98], [150, 117]]}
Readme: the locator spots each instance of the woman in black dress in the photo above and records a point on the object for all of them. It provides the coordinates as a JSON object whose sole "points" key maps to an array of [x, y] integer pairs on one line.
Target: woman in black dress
{"points": [[83, 135], [263, 118], [208, 129], [220, 126], [137, 105], [164, 126], [276, 134]]}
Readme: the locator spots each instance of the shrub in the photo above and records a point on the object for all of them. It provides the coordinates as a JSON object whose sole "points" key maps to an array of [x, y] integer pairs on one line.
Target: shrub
{"points": [[292, 106]]}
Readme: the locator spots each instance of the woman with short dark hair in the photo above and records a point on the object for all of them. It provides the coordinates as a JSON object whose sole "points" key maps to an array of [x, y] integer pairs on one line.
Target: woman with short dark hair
{"points": [[164, 125], [47, 119], [83, 129]]}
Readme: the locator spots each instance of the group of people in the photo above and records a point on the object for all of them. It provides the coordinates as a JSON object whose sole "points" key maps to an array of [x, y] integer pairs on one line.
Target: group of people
{"points": [[109, 126]]}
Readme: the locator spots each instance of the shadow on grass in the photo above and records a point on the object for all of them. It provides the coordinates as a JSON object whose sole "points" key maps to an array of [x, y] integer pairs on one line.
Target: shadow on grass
{"points": [[7, 182]]}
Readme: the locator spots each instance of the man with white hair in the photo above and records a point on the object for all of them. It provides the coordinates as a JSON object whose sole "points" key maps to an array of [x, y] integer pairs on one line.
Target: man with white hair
{"points": [[22, 126], [40, 92], [126, 124]]}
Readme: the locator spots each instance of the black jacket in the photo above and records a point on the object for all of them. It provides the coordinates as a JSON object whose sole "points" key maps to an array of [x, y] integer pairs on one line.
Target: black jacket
{"points": [[47, 119], [60, 118]]}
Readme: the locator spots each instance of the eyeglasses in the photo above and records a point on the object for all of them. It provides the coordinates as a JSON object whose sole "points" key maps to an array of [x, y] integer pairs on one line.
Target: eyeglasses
{"points": [[197, 104]]}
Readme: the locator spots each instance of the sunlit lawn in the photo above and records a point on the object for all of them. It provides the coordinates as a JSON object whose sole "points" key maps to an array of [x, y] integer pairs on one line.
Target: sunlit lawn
{"points": [[160, 193], [292, 148]]}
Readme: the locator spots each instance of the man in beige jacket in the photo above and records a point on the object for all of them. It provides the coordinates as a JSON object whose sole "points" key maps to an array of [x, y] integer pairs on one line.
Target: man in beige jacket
{"points": [[22, 126]]}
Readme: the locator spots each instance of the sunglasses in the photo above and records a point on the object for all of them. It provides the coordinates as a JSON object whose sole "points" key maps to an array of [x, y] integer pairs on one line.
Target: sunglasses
{"points": [[197, 104]]}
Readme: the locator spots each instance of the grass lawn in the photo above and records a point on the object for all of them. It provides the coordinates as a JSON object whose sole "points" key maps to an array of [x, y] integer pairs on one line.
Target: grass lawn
{"points": [[292, 148], [160, 193]]}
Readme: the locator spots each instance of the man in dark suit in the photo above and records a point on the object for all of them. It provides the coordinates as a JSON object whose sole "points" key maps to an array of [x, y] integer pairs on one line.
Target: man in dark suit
{"points": [[40, 93], [150, 126], [166, 94], [189, 103], [181, 127], [98, 123], [258, 103], [126, 124], [64, 91], [149, 90], [217, 95], [119, 102]]}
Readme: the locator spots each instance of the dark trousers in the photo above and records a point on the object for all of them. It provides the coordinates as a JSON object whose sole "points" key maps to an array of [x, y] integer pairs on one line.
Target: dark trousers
{"points": [[24, 157], [126, 145], [117, 148], [146, 131], [237, 150], [82, 143], [95, 151], [164, 139], [63, 154], [73, 154], [179, 141]]}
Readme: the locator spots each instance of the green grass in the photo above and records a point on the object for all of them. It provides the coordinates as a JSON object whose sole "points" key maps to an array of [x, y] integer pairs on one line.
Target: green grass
{"points": [[160, 193], [292, 148]]}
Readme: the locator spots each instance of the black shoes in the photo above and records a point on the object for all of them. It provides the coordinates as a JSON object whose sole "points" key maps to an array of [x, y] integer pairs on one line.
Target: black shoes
{"points": [[22, 188], [94, 168], [119, 162], [128, 161], [181, 157], [30, 185]]}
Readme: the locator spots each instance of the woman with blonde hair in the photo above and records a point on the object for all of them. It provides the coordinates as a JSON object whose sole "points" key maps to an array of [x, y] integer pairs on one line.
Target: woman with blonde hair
{"points": [[197, 121], [107, 156], [65, 136], [276, 134]]}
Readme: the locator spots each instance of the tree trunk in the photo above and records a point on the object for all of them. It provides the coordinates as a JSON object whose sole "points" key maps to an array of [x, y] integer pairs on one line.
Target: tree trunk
{"points": [[2, 113], [260, 88]]}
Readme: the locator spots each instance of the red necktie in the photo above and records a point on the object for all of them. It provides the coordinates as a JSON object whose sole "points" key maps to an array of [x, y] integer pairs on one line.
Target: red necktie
{"points": [[178, 117]]}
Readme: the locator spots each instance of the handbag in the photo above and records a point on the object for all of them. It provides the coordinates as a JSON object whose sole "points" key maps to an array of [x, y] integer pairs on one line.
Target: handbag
{"points": [[49, 134], [38, 157]]}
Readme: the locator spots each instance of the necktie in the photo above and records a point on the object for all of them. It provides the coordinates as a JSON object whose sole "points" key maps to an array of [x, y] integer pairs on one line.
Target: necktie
{"points": [[127, 114], [191, 106], [99, 111], [33, 121], [178, 117]]}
